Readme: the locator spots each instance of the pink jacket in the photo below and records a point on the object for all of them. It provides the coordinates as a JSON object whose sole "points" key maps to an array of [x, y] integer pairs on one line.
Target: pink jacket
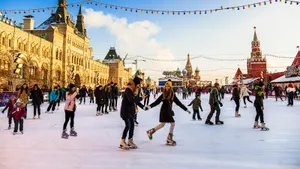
{"points": [[70, 101]]}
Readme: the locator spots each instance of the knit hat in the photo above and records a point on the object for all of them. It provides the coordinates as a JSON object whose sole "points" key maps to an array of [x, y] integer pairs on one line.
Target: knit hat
{"points": [[169, 84], [290, 85], [197, 95], [137, 80], [71, 85], [261, 84]]}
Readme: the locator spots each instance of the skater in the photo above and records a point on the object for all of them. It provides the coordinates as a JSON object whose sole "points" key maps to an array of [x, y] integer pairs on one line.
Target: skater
{"points": [[54, 97], [215, 104], [236, 98], [196, 105], [259, 107], [106, 98], [91, 95], [111, 96], [138, 93], [115, 95], [128, 109], [277, 92], [23, 94], [10, 105], [100, 97], [147, 94], [290, 92], [18, 113], [37, 99], [245, 95], [166, 112], [60, 96], [154, 92], [83, 92], [222, 92], [70, 108]]}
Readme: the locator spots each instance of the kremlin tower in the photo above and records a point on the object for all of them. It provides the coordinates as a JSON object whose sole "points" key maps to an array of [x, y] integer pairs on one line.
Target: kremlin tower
{"points": [[188, 67], [256, 63]]}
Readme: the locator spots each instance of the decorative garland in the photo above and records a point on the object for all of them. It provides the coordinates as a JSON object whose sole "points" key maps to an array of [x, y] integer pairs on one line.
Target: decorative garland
{"points": [[148, 11]]}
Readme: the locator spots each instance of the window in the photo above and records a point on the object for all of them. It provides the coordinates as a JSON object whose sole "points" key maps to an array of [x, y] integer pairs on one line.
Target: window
{"points": [[3, 41], [57, 54], [10, 43]]}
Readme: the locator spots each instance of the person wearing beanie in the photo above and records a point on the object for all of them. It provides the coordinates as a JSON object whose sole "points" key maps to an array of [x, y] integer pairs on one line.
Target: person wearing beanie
{"points": [[18, 113], [10, 105], [37, 99], [196, 105], [215, 104], [259, 106], [290, 91], [54, 97], [236, 98], [166, 112], [100, 98], [116, 95], [138, 93], [70, 108], [111, 97], [128, 110]]}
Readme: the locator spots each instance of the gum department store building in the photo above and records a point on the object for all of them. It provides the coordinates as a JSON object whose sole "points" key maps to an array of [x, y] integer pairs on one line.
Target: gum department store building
{"points": [[55, 52]]}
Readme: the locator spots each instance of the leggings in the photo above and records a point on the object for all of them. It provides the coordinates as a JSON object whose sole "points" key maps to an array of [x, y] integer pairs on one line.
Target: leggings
{"points": [[100, 107], [161, 125], [237, 107], [246, 97], [69, 115], [129, 126], [259, 114]]}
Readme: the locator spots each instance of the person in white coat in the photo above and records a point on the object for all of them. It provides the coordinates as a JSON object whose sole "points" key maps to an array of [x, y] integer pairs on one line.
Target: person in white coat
{"points": [[245, 94], [290, 92]]}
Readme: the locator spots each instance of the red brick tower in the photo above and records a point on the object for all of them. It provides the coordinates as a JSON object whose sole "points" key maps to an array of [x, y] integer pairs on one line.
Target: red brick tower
{"points": [[256, 63]]}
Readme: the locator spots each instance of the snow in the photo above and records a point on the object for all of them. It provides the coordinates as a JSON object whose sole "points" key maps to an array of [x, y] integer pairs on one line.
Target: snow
{"points": [[235, 145], [284, 79]]}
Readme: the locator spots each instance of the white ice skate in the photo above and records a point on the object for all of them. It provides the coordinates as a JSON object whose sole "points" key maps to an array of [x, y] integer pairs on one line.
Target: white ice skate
{"points": [[123, 145], [131, 144]]}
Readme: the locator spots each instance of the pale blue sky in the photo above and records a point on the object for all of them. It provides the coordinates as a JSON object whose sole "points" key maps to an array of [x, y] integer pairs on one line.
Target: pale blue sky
{"points": [[225, 34]]}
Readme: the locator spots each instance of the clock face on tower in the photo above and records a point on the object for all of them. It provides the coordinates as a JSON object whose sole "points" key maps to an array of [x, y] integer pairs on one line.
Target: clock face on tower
{"points": [[257, 54]]}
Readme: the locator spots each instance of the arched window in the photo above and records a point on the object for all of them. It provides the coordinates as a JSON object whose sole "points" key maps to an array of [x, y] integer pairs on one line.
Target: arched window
{"points": [[3, 40], [60, 55], [56, 54]]}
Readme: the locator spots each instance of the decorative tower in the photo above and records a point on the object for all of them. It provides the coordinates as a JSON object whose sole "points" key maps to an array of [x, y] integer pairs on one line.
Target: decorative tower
{"points": [[197, 74], [188, 67], [61, 12], [80, 22], [256, 63]]}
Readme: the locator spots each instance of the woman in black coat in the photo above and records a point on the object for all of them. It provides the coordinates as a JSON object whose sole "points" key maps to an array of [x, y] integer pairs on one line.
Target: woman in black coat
{"points": [[128, 110], [37, 100], [166, 112], [100, 97]]}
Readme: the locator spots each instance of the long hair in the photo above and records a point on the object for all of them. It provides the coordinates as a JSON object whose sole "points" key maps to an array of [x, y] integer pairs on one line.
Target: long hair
{"points": [[22, 88], [168, 95]]}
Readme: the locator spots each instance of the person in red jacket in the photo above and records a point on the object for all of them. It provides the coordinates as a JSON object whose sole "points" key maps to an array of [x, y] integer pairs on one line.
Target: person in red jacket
{"points": [[18, 113], [10, 106]]}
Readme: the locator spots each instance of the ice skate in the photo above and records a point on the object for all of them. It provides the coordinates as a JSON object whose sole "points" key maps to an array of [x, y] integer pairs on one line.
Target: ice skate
{"points": [[170, 140], [136, 123], [193, 119], [39, 116], [237, 114], [65, 135], [9, 127], [123, 145], [73, 133], [46, 111], [263, 127], [131, 144], [98, 113], [34, 117], [22, 132], [57, 108], [256, 125], [14, 133], [209, 122], [219, 122], [150, 133], [245, 106]]}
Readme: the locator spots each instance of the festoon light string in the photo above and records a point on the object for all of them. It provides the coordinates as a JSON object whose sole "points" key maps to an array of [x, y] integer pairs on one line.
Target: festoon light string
{"points": [[148, 11]]}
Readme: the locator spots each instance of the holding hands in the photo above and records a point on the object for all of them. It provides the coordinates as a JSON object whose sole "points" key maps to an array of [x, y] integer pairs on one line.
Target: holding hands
{"points": [[147, 108], [188, 111]]}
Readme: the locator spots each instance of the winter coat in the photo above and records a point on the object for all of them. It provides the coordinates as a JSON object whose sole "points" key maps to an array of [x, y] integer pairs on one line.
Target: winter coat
{"points": [[37, 97], [10, 106], [17, 113], [166, 111], [291, 91], [24, 96], [70, 104], [236, 93], [276, 90], [214, 97], [259, 101], [115, 91], [196, 104], [128, 106], [91, 93], [54, 96], [245, 91], [147, 92], [83, 92], [100, 96]]}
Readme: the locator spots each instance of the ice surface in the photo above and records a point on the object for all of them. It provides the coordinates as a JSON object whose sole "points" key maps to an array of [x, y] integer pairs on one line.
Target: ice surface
{"points": [[235, 145]]}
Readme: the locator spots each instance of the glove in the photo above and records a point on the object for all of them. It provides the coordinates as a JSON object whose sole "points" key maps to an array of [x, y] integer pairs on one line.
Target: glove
{"points": [[2, 111], [262, 108], [148, 107], [221, 104], [188, 111]]}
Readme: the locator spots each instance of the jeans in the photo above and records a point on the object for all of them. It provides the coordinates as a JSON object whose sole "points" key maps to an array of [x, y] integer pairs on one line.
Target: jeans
{"points": [[246, 97], [111, 104], [129, 126], [214, 108], [116, 102], [259, 114], [69, 115], [237, 107], [80, 100], [291, 100], [52, 104], [17, 122], [38, 107], [92, 99], [196, 112], [100, 107], [10, 120]]}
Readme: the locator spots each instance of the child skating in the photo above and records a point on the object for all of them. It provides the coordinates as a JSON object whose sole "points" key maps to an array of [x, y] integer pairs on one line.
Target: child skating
{"points": [[259, 107], [196, 105], [166, 112], [10, 105], [18, 113]]}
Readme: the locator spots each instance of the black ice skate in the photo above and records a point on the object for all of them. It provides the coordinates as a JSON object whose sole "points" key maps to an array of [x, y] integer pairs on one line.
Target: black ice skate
{"points": [[170, 140], [150, 133], [9, 127], [64, 135], [131, 144], [73, 133], [14, 133], [219, 122], [264, 128], [123, 145], [209, 122]]}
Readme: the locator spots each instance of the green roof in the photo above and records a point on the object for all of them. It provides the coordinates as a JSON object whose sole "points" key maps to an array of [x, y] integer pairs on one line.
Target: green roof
{"points": [[112, 54]]}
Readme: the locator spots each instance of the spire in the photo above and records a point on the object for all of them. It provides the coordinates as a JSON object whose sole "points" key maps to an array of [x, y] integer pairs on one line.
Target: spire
{"points": [[188, 66], [255, 35], [61, 12], [80, 22], [197, 70]]}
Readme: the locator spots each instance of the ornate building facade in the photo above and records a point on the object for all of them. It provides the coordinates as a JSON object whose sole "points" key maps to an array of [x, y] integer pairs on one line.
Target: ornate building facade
{"points": [[56, 52]]}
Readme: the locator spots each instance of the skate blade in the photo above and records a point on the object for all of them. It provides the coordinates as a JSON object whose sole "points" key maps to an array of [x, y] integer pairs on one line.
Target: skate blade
{"points": [[123, 148], [130, 147], [64, 137], [169, 144]]}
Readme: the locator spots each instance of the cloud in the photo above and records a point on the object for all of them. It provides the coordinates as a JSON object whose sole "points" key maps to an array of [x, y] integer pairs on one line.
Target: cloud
{"points": [[133, 38]]}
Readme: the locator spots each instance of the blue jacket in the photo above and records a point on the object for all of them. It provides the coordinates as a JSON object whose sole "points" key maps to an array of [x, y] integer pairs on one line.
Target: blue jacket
{"points": [[54, 96]]}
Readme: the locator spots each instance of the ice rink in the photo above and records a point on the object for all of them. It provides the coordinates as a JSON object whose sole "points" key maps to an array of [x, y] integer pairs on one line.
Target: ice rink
{"points": [[234, 145]]}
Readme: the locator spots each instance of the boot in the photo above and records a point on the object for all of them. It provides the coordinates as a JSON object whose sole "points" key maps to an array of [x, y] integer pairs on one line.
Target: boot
{"points": [[219, 122], [123, 145], [73, 132], [263, 127], [131, 144], [64, 134], [170, 140], [34, 117], [150, 133], [9, 126], [98, 113], [237, 114], [256, 126], [209, 122]]}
